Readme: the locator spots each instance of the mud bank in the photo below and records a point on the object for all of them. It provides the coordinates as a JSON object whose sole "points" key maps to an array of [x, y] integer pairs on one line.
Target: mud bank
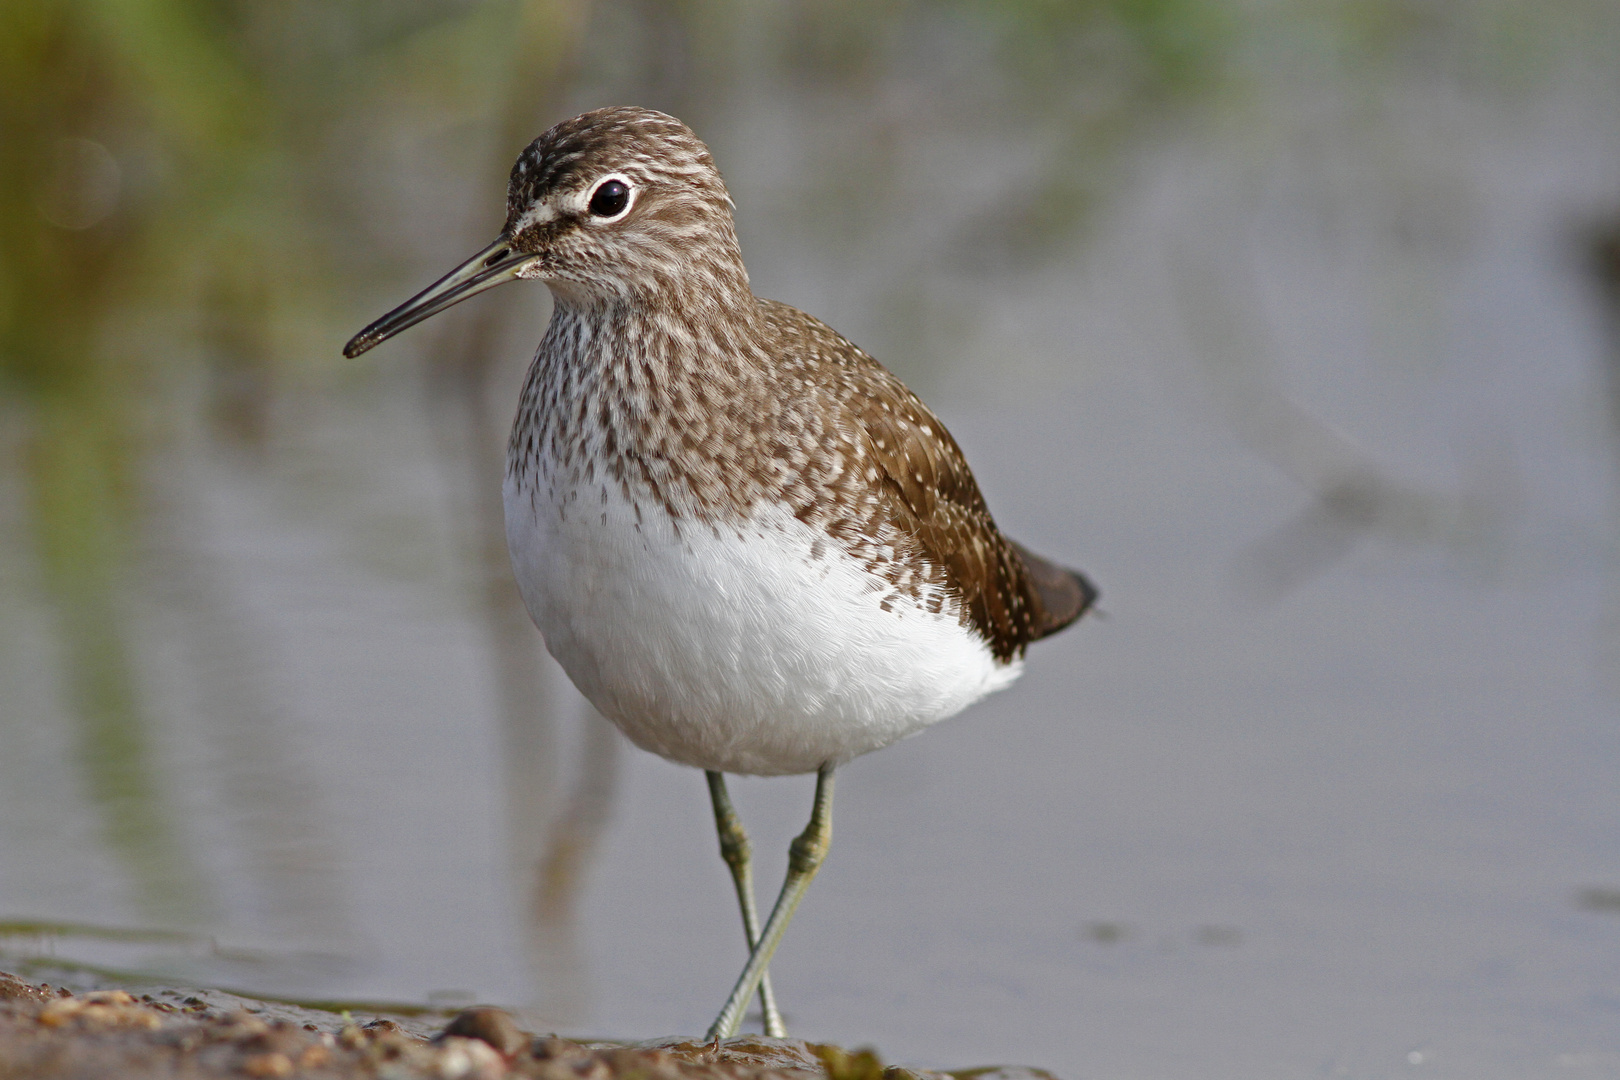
{"points": [[50, 1033]]}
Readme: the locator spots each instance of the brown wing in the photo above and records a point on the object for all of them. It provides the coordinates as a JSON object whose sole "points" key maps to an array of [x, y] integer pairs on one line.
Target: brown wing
{"points": [[930, 511], [1010, 596]]}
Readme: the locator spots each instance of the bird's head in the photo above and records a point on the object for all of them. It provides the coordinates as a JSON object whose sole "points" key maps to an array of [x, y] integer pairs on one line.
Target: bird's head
{"points": [[618, 205]]}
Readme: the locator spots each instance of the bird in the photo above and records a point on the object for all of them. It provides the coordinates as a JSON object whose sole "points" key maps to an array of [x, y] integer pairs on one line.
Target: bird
{"points": [[746, 542]]}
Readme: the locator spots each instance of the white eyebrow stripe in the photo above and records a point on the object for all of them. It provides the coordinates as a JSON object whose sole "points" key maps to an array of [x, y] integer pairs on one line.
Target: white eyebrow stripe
{"points": [[537, 214]]}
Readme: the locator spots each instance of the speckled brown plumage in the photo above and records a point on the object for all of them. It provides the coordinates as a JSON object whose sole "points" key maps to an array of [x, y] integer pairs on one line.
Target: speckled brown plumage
{"points": [[667, 382]]}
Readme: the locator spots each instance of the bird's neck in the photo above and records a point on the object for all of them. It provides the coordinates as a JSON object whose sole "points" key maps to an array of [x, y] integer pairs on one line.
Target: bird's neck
{"points": [[660, 394], [642, 343]]}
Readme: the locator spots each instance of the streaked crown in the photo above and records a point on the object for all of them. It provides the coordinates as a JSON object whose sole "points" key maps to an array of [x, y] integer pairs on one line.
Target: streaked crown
{"points": [[623, 203]]}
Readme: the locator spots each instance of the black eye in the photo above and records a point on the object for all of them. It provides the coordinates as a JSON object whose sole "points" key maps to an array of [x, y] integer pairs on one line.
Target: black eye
{"points": [[610, 199]]}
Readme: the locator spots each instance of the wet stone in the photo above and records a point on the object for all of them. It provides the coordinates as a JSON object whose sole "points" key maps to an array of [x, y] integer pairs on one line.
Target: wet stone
{"points": [[493, 1026], [14, 989]]}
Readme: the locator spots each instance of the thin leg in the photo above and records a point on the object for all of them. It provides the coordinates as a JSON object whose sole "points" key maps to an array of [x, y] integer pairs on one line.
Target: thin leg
{"points": [[805, 856], [734, 849]]}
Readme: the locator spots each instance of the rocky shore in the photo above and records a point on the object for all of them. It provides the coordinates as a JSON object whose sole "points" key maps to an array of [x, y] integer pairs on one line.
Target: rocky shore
{"points": [[50, 1033]]}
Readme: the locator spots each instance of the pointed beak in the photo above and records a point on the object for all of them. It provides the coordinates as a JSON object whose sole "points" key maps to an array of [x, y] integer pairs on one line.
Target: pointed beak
{"points": [[493, 266]]}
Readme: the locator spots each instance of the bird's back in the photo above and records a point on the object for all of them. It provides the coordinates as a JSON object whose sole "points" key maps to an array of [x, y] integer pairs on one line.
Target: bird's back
{"points": [[904, 484]]}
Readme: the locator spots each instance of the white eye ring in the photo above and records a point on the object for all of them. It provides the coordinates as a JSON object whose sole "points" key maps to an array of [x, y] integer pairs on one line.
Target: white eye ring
{"points": [[610, 198]]}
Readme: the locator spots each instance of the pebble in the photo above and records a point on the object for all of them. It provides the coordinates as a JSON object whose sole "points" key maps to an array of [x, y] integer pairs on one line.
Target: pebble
{"points": [[494, 1027]]}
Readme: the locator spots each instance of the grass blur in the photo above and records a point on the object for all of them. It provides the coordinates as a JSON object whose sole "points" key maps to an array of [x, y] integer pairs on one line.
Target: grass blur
{"points": [[171, 211]]}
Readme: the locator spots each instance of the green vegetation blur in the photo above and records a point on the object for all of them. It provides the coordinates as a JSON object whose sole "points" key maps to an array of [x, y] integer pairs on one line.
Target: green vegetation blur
{"points": [[173, 206], [191, 195]]}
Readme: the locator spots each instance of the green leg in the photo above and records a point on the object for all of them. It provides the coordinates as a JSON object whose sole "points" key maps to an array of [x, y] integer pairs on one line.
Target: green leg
{"points": [[805, 857], [734, 849]]}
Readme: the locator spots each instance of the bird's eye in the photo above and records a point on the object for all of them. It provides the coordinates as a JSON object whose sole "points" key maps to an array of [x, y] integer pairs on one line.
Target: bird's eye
{"points": [[610, 199]]}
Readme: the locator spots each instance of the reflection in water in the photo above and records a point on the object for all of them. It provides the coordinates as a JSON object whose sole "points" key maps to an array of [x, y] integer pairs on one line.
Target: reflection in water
{"points": [[259, 793], [1599, 245], [66, 241], [114, 752], [103, 522], [1352, 496], [262, 796], [559, 876], [550, 840], [1602, 258]]}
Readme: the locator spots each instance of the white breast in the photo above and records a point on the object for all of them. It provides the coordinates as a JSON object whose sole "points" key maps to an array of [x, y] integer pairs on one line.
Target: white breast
{"points": [[735, 650]]}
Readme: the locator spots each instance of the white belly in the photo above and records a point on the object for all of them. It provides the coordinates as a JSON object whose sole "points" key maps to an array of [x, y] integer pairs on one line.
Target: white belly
{"points": [[741, 654]]}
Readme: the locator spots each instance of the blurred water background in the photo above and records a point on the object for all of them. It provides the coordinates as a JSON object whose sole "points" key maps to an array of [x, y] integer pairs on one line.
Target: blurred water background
{"points": [[1296, 325]]}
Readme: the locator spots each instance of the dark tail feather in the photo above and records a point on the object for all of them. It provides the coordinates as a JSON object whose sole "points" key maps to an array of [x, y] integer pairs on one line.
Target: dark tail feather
{"points": [[1065, 594]]}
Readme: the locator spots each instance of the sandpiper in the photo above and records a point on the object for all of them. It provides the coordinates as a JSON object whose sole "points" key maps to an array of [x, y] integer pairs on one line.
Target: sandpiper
{"points": [[746, 542]]}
